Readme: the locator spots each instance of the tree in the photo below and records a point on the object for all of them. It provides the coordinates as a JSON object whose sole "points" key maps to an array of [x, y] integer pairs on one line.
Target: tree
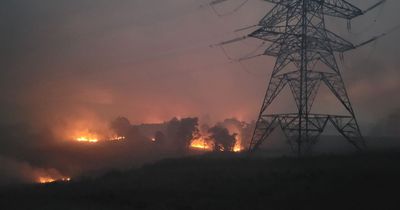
{"points": [[224, 141], [121, 126]]}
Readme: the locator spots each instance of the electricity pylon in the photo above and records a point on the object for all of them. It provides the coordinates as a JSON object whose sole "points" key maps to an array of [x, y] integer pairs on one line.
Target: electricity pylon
{"points": [[303, 47]]}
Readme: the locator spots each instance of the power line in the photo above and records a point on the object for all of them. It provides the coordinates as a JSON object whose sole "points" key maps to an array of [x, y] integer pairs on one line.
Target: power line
{"points": [[298, 36]]}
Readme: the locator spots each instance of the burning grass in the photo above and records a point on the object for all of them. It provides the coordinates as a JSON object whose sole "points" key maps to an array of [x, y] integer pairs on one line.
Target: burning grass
{"points": [[93, 137], [48, 179], [209, 144], [201, 143]]}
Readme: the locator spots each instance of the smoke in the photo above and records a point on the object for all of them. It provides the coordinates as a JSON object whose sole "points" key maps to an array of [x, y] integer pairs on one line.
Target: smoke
{"points": [[13, 171], [388, 126], [30, 152], [224, 141], [72, 66], [244, 130], [100, 59], [121, 126], [182, 131]]}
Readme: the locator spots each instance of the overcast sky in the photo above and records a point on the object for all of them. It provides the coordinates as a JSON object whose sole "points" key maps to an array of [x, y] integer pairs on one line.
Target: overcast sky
{"points": [[150, 60]]}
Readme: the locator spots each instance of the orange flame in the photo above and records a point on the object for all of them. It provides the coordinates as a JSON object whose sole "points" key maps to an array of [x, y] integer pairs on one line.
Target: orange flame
{"points": [[92, 137], [87, 139], [47, 179], [86, 136], [201, 143], [238, 145]]}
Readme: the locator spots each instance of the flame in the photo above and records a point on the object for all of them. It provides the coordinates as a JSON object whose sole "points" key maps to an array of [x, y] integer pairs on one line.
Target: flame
{"points": [[117, 138], [87, 139], [201, 143], [86, 136], [47, 179], [238, 145], [92, 137]]}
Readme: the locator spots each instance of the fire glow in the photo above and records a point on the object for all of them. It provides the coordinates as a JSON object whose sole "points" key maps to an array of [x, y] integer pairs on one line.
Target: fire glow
{"points": [[87, 139], [201, 143], [47, 179], [91, 137], [86, 136], [238, 145], [117, 138]]}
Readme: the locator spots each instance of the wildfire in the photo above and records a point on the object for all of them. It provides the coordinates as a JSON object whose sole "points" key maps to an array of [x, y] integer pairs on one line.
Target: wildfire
{"points": [[201, 143], [238, 143], [87, 139], [86, 136], [117, 138], [46, 180], [238, 146], [94, 137]]}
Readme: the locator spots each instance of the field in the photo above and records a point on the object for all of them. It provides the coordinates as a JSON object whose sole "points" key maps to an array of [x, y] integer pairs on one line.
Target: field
{"points": [[230, 181]]}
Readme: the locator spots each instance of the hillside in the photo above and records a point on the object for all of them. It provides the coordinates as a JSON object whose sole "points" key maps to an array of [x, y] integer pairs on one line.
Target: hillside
{"points": [[358, 181]]}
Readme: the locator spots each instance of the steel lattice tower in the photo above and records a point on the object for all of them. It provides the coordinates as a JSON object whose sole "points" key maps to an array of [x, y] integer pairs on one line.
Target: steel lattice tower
{"points": [[298, 36]]}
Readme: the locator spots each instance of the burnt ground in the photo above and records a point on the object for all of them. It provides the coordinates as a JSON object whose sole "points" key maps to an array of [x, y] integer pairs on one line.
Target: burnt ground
{"points": [[356, 181]]}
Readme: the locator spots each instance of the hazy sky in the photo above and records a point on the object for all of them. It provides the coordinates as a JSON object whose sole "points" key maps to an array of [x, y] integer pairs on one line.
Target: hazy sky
{"points": [[150, 60]]}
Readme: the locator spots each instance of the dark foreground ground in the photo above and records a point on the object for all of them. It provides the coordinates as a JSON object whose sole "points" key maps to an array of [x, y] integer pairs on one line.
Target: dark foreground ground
{"points": [[358, 181]]}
